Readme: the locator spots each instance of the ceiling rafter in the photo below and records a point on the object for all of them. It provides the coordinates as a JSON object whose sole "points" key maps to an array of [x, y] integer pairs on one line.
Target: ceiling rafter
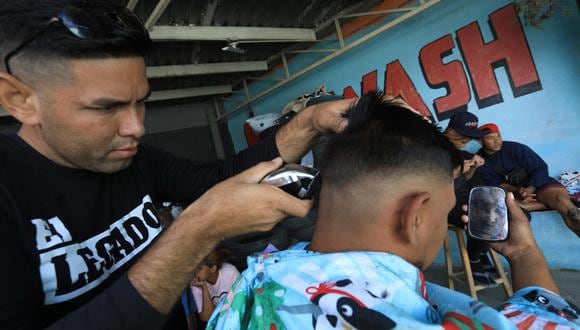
{"points": [[205, 68], [228, 33], [157, 12], [189, 92]]}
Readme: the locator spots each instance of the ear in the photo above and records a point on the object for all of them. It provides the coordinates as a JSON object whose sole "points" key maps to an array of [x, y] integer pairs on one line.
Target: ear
{"points": [[413, 216], [18, 99]]}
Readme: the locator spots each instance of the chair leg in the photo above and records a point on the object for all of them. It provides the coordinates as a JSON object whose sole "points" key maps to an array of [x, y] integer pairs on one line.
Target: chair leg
{"points": [[505, 282], [466, 264], [448, 262]]}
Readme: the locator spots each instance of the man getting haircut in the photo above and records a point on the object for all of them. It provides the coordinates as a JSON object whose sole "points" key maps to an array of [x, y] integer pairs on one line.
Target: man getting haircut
{"points": [[387, 187]]}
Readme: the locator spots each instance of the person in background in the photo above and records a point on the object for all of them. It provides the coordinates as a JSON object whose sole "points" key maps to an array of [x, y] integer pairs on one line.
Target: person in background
{"points": [[387, 189], [212, 280], [462, 128], [517, 168]]}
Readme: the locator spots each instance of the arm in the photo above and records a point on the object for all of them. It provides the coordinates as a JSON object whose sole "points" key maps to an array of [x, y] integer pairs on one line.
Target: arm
{"points": [[166, 268], [535, 166], [184, 180], [297, 137], [207, 306], [526, 261]]}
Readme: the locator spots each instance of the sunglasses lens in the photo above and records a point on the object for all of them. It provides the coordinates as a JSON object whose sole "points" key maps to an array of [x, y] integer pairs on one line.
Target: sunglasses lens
{"points": [[96, 24], [71, 17]]}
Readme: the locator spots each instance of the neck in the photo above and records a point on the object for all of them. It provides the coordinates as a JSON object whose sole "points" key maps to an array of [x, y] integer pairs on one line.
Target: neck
{"points": [[489, 152]]}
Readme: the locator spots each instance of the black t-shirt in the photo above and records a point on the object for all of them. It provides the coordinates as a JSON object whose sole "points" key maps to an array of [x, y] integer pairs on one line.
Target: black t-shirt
{"points": [[69, 235]]}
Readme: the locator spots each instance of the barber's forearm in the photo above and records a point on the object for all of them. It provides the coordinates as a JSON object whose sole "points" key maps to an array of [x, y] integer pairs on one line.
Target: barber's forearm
{"points": [[529, 268], [165, 270], [297, 137]]}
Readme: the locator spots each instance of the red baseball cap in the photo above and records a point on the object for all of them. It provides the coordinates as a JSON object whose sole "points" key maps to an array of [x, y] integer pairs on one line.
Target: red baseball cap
{"points": [[489, 128]]}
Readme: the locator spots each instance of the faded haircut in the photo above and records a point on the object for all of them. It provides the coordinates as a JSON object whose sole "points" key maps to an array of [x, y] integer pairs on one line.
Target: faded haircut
{"points": [[384, 140]]}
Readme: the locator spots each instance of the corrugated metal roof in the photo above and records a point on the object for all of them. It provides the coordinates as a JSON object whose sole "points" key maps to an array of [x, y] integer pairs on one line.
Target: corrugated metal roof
{"points": [[302, 14]]}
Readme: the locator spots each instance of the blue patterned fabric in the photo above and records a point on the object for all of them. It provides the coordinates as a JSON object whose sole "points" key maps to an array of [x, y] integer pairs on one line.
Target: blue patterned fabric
{"points": [[300, 289]]}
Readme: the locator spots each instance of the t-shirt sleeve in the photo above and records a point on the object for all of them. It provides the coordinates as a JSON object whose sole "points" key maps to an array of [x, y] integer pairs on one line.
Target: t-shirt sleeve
{"points": [[534, 164], [536, 307], [118, 307], [180, 179]]}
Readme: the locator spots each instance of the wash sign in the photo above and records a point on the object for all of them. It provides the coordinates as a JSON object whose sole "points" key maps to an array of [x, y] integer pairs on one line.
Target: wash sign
{"points": [[508, 49]]}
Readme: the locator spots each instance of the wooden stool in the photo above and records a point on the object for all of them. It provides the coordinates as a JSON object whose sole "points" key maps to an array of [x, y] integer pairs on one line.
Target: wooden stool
{"points": [[454, 276]]}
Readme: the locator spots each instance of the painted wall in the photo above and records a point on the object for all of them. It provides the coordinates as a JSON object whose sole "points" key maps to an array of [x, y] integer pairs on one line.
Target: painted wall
{"points": [[531, 89]]}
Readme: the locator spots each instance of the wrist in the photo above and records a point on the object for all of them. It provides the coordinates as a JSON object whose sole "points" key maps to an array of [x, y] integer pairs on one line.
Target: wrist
{"points": [[524, 253], [200, 223], [297, 136]]}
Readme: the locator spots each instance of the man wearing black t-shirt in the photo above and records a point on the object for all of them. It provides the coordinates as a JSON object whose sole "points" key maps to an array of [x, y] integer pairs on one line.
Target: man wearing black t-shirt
{"points": [[82, 246]]}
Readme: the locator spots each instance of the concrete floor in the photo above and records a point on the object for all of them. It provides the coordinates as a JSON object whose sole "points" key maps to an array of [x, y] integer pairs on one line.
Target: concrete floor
{"points": [[568, 282]]}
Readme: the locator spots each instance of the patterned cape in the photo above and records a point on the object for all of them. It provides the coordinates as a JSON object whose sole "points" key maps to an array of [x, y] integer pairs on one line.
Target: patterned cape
{"points": [[300, 289]]}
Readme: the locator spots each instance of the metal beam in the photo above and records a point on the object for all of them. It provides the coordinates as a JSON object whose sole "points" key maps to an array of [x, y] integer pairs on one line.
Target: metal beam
{"points": [[228, 33], [320, 50], [206, 68], [334, 55], [189, 92], [380, 12], [156, 14], [132, 4], [214, 129]]}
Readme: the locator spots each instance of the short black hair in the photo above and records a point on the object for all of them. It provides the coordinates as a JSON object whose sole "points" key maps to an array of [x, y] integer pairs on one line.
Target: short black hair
{"points": [[22, 19], [385, 139]]}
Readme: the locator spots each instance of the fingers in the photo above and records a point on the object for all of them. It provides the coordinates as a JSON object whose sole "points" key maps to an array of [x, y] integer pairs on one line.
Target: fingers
{"points": [[328, 116], [338, 123], [256, 173], [291, 205], [513, 208]]}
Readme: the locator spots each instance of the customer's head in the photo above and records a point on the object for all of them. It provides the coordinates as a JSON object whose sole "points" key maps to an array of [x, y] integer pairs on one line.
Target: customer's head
{"points": [[73, 73], [492, 140], [462, 128], [387, 184]]}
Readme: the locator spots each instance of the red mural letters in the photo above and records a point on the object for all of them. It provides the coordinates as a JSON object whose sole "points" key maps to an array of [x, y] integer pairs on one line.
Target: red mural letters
{"points": [[398, 83], [508, 49], [450, 76]]}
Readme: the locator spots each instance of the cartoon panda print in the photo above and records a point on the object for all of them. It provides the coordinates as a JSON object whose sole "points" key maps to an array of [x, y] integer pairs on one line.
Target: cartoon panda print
{"points": [[342, 307]]}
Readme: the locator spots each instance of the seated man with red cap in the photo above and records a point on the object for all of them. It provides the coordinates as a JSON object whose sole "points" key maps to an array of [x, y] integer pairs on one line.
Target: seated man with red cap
{"points": [[517, 168]]}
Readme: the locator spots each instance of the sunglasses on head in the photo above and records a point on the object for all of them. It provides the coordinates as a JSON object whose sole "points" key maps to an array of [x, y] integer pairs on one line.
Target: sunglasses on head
{"points": [[91, 23]]}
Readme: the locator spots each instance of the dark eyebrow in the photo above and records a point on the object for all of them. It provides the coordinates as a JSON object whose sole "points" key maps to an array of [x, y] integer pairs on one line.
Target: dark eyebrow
{"points": [[113, 103]]}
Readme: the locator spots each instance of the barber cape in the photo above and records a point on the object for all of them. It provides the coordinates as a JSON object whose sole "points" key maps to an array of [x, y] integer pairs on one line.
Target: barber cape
{"points": [[300, 289]]}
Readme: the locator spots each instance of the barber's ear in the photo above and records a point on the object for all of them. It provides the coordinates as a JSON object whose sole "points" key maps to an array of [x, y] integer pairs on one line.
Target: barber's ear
{"points": [[18, 99], [413, 216]]}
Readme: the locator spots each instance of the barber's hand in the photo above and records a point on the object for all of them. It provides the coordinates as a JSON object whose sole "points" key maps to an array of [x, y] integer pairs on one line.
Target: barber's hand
{"points": [[297, 137], [241, 205], [520, 237], [327, 117]]}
